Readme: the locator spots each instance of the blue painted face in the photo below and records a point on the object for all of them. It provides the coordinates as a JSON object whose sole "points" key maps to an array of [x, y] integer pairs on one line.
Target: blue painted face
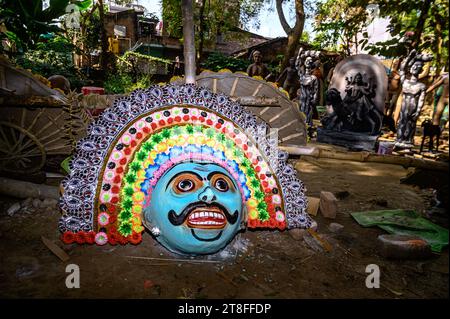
{"points": [[197, 208]]}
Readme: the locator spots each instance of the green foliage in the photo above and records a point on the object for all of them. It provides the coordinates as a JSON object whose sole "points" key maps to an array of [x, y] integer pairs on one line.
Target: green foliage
{"points": [[26, 21], [53, 57], [339, 21], [134, 71], [116, 83], [217, 61], [418, 24], [122, 83], [148, 58], [218, 17]]}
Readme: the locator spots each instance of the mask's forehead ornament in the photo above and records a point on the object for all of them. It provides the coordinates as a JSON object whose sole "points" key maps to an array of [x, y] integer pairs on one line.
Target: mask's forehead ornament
{"points": [[192, 166]]}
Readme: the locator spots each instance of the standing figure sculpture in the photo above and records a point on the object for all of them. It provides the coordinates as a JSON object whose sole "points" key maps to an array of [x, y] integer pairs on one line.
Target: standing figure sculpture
{"points": [[257, 68], [309, 84], [413, 97], [290, 83]]}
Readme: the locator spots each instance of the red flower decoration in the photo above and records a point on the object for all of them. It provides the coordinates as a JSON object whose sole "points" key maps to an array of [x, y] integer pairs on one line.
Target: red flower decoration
{"points": [[127, 151], [135, 238], [146, 131], [186, 118], [90, 238], [209, 122], [122, 240], [162, 122], [112, 239], [177, 119], [68, 237], [218, 126], [170, 120], [139, 134], [154, 126], [112, 219], [133, 143], [281, 225], [273, 223], [115, 189], [252, 223], [80, 237]]}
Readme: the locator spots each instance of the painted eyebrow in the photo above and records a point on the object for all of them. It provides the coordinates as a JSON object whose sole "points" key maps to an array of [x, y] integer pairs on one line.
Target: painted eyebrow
{"points": [[178, 174], [210, 175]]}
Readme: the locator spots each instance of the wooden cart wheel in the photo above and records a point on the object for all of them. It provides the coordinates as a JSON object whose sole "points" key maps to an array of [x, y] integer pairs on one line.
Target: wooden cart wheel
{"points": [[20, 150]]}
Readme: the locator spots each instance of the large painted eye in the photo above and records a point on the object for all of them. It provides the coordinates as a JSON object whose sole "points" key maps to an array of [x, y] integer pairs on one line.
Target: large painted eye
{"points": [[185, 185], [221, 184]]}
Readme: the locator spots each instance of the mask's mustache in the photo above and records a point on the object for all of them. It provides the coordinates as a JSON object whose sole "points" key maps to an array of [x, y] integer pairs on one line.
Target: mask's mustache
{"points": [[177, 220]]}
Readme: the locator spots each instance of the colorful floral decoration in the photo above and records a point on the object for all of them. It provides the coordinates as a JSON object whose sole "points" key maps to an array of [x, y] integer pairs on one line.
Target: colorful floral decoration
{"points": [[136, 141]]}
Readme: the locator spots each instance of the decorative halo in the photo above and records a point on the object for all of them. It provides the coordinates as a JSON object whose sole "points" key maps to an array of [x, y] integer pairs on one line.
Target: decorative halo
{"points": [[134, 142]]}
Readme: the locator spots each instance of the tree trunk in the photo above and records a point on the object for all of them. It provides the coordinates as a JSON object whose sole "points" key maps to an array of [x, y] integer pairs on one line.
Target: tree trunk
{"points": [[294, 33], [201, 32], [189, 41]]}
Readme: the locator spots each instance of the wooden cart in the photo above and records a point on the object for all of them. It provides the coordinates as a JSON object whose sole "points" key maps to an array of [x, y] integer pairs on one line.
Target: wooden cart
{"points": [[35, 121]]}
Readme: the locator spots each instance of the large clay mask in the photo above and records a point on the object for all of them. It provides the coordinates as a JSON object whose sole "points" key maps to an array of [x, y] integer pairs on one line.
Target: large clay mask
{"points": [[195, 208]]}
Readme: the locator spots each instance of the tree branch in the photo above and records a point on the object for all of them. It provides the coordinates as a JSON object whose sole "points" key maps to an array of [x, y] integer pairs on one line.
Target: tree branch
{"points": [[284, 24]]}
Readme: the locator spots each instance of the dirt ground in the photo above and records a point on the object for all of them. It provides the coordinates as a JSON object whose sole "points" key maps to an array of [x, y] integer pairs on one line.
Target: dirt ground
{"points": [[258, 264]]}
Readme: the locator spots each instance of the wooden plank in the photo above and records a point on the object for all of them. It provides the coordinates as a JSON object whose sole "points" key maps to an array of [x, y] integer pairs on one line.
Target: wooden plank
{"points": [[367, 157], [61, 254]]}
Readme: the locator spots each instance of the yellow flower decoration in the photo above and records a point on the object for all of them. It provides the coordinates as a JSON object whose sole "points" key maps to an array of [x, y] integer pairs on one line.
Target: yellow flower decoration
{"points": [[138, 228], [138, 196], [137, 209]]}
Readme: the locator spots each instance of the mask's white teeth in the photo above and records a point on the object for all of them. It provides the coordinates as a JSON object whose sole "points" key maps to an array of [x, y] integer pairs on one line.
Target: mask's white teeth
{"points": [[202, 214]]}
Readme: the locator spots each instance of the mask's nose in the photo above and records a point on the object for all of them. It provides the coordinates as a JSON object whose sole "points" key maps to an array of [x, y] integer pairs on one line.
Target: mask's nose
{"points": [[207, 195]]}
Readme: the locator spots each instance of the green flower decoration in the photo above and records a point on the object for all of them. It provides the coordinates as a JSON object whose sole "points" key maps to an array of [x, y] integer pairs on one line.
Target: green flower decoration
{"points": [[157, 138], [128, 191], [130, 178], [125, 215], [135, 165], [166, 133], [126, 229], [148, 146], [189, 129], [127, 203]]}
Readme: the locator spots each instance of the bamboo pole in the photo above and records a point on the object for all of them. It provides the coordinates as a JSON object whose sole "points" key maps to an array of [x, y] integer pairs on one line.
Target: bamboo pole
{"points": [[367, 157], [189, 41]]}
